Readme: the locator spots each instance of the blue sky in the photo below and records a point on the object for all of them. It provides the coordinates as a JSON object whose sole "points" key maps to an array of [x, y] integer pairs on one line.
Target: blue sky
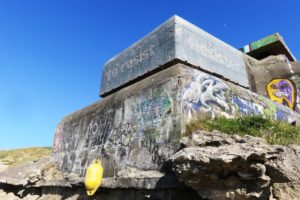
{"points": [[52, 51]]}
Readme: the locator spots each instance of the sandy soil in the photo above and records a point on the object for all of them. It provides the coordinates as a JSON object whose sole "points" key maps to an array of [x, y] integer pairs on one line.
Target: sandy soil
{"points": [[2, 167]]}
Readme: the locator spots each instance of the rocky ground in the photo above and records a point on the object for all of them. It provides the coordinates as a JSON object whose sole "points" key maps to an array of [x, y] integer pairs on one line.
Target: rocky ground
{"points": [[220, 166], [209, 165], [42, 180]]}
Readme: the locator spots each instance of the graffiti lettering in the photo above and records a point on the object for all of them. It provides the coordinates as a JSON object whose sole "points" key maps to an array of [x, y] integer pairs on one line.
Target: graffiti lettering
{"points": [[210, 48], [152, 110], [204, 92], [158, 153], [146, 54], [247, 107], [122, 136], [97, 131], [282, 91]]}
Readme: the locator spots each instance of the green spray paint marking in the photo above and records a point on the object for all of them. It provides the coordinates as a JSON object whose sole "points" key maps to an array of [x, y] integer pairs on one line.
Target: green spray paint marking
{"points": [[267, 40]]}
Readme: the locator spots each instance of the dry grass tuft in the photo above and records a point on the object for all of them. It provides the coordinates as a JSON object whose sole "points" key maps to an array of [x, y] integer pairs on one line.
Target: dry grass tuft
{"points": [[275, 132]]}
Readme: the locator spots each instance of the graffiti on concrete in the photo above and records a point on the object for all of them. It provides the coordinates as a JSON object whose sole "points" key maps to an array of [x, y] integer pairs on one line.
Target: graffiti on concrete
{"points": [[282, 91], [142, 129], [99, 124], [57, 138], [144, 122], [152, 115], [264, 41], [120, 133], [152, 110], [122, 136], [296, 80], [205, 93], [247, 107], [208, 94], [119, 142], [112, 73]]}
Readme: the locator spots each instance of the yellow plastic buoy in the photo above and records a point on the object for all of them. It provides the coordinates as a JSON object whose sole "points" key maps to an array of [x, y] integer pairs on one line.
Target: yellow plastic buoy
{"points": [[93, 177]]}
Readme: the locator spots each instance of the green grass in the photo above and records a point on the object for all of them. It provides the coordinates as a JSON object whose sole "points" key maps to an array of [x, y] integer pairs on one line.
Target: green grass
{"points": [[275, 132], [17, 156]]}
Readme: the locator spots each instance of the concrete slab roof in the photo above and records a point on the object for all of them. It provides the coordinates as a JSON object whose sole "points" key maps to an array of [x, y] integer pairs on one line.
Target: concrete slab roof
{"points": [[174, 40]]}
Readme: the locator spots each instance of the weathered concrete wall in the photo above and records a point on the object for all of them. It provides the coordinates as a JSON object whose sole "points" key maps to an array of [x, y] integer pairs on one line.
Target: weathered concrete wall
{"points": [[199, 48], [140, 125], [155, 49], [174, 39], [296, 80], [278, 79], [205, 93]]}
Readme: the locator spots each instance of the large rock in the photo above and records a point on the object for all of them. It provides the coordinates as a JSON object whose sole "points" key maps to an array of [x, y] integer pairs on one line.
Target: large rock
{"points": [[285, 190], [221, 166], [32, 173], [7, 196]]}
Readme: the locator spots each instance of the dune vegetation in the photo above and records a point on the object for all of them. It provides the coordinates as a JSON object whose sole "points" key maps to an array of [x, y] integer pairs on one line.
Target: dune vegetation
{"points": [[17, 156]]}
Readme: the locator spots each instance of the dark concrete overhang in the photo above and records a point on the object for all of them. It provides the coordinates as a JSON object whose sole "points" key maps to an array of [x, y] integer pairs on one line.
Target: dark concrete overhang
{"points": [[271, 45]]}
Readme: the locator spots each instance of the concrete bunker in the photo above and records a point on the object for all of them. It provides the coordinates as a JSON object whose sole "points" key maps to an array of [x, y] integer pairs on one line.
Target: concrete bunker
{"points": [[155, 87]]}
